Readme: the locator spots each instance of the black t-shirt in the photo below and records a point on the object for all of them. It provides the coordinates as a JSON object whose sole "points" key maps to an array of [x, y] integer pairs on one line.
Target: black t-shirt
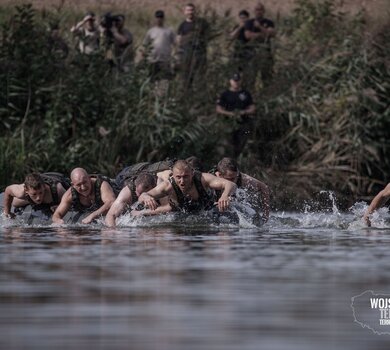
{"points": [[241, 35], [241, 49], [264, 22], [198, 29], [185, 28], [235, 100]]}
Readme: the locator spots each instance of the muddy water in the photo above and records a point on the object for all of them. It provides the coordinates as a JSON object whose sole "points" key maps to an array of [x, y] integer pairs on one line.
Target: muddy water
{"points": [[174, 285]]}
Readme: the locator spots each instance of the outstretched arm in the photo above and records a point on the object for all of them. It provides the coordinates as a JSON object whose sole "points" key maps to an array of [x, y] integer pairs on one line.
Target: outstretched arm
{"points": [[379, 200], [108, 197], [11, 193], [119, 206], [217, 183], [160, 191], [63, 208], [164, 207]]}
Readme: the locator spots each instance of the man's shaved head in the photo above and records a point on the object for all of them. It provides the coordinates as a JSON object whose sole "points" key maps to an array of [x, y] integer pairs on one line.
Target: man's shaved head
{"points": [[78, 173]]}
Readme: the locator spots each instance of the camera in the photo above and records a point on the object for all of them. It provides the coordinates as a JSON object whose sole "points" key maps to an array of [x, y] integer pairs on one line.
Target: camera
{"points": [[108, 20]]}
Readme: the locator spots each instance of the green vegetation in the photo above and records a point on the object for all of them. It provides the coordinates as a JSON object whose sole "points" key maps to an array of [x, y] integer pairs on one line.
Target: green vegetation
{"points": [[323, 123]]}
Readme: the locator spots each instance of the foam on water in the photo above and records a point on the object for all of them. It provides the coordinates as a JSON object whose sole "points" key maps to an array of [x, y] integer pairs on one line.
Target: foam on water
{"points": [[242, 215]]}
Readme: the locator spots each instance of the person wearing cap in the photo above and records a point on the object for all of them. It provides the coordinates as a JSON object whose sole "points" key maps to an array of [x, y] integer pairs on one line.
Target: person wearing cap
{"points": [[192, 37], [237, 104], [259, 32], [158, 44], [87, 33]]}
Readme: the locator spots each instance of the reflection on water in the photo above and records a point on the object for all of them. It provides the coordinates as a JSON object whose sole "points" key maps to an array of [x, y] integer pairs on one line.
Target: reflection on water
{"points": [[287, 285]]}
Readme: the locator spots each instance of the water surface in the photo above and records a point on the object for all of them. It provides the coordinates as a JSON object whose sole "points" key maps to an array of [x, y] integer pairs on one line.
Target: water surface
{"points": [[169, 285]]}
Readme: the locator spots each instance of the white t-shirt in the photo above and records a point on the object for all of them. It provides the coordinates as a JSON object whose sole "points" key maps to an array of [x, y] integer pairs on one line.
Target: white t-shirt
{"points": [[161, 41], [89, 40]]}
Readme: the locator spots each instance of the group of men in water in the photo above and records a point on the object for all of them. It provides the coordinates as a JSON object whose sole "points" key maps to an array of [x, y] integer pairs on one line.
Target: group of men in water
{"points": [[146, 189], [142, 189]]}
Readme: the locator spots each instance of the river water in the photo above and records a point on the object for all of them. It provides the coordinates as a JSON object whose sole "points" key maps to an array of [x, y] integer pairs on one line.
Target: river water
{"points": [[166, 284]]}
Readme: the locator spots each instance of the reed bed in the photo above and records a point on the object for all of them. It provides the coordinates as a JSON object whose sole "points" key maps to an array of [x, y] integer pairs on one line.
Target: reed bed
{"points": [[322, 124]]}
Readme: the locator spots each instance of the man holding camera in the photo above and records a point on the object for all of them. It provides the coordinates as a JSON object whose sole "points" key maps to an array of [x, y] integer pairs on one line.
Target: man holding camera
{"points": [[118, 41]]}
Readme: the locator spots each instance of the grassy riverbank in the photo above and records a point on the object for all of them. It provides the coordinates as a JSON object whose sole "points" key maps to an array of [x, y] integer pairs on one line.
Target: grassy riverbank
{"points": [[323, 123]]}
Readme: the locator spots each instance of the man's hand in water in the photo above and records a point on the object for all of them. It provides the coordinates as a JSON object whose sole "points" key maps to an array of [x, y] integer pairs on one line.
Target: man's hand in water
{"points": [[367, 219], [148, 201], [58, 222], [87, 220], [9, 215], [136, 213], [223, 203]]}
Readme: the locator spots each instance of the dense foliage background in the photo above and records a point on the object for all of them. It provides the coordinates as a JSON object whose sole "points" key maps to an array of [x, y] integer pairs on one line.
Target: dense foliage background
{"points": [[323, 123]]}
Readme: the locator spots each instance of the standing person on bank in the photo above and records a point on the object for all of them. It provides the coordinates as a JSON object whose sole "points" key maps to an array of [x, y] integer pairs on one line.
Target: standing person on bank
{"points": [[88, 34], [241, 52], [259, 31], [158, 44], [191, 54], [118, 41], [237, 104]]}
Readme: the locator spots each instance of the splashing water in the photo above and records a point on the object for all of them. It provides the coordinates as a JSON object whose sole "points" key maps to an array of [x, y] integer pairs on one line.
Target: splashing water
{"points": [[242, 215]]}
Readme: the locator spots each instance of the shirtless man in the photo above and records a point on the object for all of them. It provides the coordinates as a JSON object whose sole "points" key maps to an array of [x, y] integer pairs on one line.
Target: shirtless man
{"points": [[188, 191], [87, 193], [227, 169], [37, 189], [127, 175], [379, 200], [129, 195]]}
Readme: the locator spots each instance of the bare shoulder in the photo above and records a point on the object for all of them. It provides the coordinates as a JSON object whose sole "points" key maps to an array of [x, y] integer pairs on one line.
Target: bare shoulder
{"points": [[124, 195], [164, 175], [106, 186], [163, 188], [248, 180], [208, 178], [60, 188], [16, 190], [67, 197], [251, 182]]}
